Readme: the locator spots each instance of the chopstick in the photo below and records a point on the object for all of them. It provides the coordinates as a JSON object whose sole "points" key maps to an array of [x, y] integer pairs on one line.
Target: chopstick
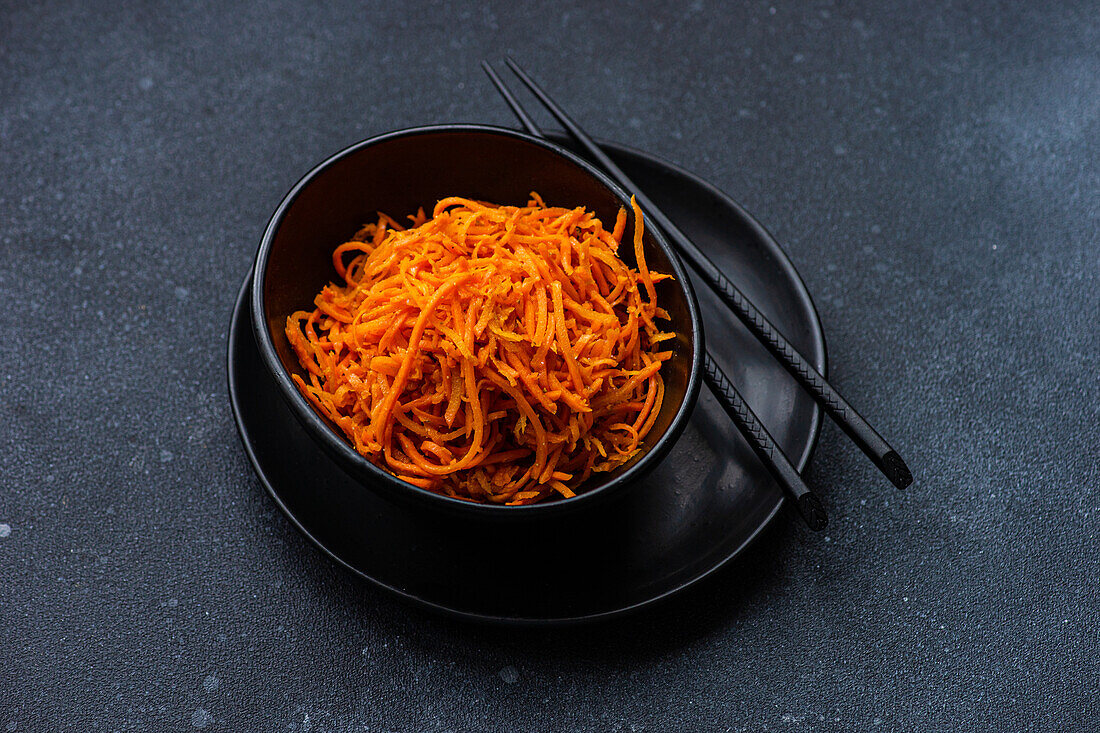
{"points": [[735, 406], [858, 429]]}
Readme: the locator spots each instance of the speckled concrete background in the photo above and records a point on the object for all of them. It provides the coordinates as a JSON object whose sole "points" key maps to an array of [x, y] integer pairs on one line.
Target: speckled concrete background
{"points": [[934, 174]]}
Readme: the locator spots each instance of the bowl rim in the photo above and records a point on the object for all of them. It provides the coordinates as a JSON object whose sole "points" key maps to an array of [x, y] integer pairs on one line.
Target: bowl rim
{"points": [[339, 446]]}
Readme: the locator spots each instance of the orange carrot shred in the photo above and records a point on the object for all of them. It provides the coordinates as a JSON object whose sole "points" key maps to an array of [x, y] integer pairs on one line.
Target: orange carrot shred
{"points": [[489, 353]]}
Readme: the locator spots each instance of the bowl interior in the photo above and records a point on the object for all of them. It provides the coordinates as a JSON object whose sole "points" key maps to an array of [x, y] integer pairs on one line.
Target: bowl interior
{"points": [[398, 173]]}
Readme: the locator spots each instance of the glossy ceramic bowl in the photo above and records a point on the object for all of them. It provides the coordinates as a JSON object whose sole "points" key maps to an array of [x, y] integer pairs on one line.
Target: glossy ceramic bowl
{"points": [[400, 171]]}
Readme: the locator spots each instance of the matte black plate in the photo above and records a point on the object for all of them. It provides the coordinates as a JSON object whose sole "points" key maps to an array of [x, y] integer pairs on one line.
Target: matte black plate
{"points": [[692, 514]]}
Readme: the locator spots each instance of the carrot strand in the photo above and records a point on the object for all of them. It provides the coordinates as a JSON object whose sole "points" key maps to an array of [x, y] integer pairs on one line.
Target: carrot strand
{"points": [[489, 353]]}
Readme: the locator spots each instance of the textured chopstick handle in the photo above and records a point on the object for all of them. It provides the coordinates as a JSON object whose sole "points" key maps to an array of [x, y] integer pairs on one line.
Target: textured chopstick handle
{"points": [[765, 447], [858, 429]]}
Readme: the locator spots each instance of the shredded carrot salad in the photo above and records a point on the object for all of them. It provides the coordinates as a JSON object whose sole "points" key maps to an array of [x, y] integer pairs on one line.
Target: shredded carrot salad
{"points": [[489, 353]]}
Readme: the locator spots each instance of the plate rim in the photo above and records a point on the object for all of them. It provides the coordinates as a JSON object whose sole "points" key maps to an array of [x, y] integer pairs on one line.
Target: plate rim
{"points": [[819, 359]]}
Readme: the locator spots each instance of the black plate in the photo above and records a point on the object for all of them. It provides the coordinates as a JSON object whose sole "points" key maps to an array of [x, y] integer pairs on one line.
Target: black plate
{"points": [[692, 514]]}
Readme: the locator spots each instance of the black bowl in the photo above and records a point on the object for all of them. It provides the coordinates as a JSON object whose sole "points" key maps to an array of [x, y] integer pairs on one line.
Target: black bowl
{"points": [[400, 171]]}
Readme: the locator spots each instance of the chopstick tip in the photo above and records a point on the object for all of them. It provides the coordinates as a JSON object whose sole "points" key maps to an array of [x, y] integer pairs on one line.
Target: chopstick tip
{"points": [[811, 509], [896, 470]]}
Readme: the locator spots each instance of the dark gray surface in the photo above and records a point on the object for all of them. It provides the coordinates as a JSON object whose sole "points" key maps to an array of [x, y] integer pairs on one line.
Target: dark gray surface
{"points": [[934, 174]]}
